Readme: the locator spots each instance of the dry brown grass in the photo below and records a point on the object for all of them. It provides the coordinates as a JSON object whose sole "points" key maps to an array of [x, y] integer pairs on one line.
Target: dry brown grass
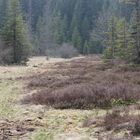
{"points": [[117, 121], [85, 83]]}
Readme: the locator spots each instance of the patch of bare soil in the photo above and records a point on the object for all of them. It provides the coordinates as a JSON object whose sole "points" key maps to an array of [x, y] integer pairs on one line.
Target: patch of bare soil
{"points": [[84, 83]]}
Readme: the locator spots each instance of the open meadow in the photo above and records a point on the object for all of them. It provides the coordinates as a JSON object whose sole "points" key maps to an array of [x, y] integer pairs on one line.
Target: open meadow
{"points": [[81, 98]]}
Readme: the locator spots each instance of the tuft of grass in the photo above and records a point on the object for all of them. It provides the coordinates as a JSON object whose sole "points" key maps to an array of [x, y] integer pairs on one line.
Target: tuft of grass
{"points": [[41, 135]]}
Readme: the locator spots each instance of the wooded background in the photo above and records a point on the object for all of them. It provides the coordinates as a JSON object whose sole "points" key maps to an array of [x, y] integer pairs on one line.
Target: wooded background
{"points": [[90, 26]]}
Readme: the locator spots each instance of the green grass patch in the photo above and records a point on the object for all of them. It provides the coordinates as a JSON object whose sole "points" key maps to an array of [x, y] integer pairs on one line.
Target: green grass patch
{"points": [[8, 97]]}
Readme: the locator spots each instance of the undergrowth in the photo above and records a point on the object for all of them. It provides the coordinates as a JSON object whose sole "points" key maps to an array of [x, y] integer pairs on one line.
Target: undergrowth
{"points": [[84, 84]]}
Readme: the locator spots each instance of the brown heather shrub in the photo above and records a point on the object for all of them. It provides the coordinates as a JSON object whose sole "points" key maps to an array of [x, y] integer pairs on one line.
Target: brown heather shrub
{"points": [[118, 120], [83, 84], [114, 119], [111, 137], [41, 81], [136, 128], [127, 68], [116, 138], [84, 96]]}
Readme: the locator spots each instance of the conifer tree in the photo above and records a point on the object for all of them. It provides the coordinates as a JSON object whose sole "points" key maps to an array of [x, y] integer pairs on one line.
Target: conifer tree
{"points": [[4, 7], [57, 28], [135, 30], [86, 48], [76, 40], [15, 35], [122, 39], [110, 38]]}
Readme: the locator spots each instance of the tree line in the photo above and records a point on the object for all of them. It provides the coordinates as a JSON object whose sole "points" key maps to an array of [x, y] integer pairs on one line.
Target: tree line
{"points": [[34, 27]]}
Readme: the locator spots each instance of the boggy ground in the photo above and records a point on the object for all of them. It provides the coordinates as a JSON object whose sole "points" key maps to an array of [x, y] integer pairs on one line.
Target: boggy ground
{"points": [[70, 99]]}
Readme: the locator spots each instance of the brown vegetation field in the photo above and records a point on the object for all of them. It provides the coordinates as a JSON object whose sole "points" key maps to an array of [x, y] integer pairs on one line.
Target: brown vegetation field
{"points": [[78, 99], [85, 83]]}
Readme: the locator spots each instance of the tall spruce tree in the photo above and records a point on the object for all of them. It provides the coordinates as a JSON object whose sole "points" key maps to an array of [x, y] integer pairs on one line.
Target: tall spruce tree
{"points": [[122, 39], [76, 39], [110, 39], [135, 30], [15, 35], [4, 6]]}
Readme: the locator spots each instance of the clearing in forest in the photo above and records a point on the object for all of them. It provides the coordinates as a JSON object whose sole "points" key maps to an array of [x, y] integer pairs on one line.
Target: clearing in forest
{"points": [[79, 98]]}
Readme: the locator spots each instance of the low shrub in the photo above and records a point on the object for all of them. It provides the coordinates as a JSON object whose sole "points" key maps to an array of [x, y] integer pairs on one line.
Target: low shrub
{"points": [[118, 120], [136, 128], [84, 84], [84, 96], [67, 51], [112, 120]]}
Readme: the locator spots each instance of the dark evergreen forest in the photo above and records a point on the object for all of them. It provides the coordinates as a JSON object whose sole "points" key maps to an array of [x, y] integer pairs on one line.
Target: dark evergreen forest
{"points": [[91, 26]]}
